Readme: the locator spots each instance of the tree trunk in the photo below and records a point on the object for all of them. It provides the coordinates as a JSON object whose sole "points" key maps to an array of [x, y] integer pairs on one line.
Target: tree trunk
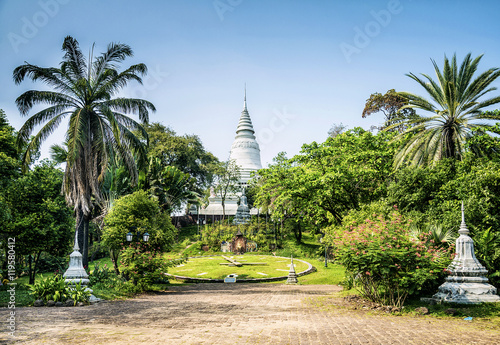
{"points": [[82, 229], [32, 267], [79, 228], [114, 258], [298, 232], [31, 276], [223, 211], [85, 252]]}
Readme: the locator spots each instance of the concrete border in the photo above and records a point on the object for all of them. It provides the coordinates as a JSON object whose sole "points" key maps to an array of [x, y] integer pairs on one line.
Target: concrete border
{"points": [[310, 269]]}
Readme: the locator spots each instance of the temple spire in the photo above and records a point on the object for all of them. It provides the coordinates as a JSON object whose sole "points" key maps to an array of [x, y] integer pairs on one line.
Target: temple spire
{"points": [[463, 227], [245, 99]]}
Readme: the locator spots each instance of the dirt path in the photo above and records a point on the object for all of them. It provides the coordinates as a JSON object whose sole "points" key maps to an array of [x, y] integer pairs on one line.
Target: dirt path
{"points": [[234, 313]]}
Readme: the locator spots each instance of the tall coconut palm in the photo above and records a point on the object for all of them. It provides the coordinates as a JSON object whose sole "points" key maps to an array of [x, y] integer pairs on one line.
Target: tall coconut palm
{"points": [[98, 129], [457, 108]]}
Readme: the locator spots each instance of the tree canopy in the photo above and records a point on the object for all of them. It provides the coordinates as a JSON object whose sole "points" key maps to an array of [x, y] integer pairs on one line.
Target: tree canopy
{"points": [[456, 109], [137, 211], [325, 180], [185, 152], [391, 105], [41, 220]]}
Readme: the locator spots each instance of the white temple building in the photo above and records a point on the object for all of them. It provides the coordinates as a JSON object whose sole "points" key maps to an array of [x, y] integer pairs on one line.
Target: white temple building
{"points": [[245, 152]]}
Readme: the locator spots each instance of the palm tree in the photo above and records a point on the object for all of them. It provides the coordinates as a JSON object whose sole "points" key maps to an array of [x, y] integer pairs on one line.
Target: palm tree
{"points": [[456, 111], [169, 185], [98, 129]]}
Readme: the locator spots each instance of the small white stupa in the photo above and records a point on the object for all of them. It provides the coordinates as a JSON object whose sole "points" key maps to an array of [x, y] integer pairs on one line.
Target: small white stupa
{"points": [[467, 283]]}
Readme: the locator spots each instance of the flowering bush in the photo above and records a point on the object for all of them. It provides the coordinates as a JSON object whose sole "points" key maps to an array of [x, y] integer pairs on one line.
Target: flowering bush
{"points": [[143, 264], [385, 263]]}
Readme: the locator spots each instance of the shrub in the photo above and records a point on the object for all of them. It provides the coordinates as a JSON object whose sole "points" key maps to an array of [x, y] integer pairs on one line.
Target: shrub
{"points": [[140, 211], [385, 263], [487, 248], [50, 288], [215, 234], [143, 264], [79, 293], [99, 274], [56, 289]]}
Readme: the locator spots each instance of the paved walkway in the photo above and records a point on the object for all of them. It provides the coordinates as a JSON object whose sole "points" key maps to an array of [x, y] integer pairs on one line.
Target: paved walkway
{"points": [[235, 314]]}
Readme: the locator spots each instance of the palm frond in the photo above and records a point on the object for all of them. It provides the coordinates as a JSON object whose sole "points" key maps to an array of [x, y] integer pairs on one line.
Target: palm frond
{"points": [[456, 106]]}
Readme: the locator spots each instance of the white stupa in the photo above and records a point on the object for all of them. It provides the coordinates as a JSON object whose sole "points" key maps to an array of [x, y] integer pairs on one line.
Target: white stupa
{"points": [[467, 283], [245, 149], [245, 152]]}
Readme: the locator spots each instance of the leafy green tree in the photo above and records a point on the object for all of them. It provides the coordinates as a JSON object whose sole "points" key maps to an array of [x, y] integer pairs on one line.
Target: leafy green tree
{"points": [[417, 188], [41, 220], [186, 153], [326, 180], [433, 194], [390, 105], [484, 145], [85, 92], [457, 102], [9, 171], [275, 194], [136, 211], [226, 177], [9, 162]]}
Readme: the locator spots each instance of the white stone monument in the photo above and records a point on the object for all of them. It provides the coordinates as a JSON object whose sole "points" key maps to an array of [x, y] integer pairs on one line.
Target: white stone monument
{"points": [[76, 274], [467, 283]]}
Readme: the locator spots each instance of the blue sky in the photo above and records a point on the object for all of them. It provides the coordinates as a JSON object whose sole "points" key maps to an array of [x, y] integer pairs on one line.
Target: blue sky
{"points": [[307, 64]]}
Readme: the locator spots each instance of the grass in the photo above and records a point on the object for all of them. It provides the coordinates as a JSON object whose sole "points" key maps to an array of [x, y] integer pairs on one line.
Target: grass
{"points": [[484, 311], [22, 295], [332, 275], [101, 263], [308, 248], [211, 267]]}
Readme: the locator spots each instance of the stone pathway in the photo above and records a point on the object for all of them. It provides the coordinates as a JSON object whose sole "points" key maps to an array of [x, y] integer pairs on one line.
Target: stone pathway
{"points": [[234, 314]]}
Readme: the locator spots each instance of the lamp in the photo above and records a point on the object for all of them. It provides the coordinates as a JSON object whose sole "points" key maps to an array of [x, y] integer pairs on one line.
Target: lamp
{"points": [[129, 237], [144, 236]]}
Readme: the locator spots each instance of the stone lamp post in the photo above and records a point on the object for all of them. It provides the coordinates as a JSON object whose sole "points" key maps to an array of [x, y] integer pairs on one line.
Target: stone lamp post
{"points": [[467, 283]]}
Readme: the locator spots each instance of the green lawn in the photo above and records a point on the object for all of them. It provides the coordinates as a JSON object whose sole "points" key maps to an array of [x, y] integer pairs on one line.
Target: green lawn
{"points": [[210, 267], [331, 275]]}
